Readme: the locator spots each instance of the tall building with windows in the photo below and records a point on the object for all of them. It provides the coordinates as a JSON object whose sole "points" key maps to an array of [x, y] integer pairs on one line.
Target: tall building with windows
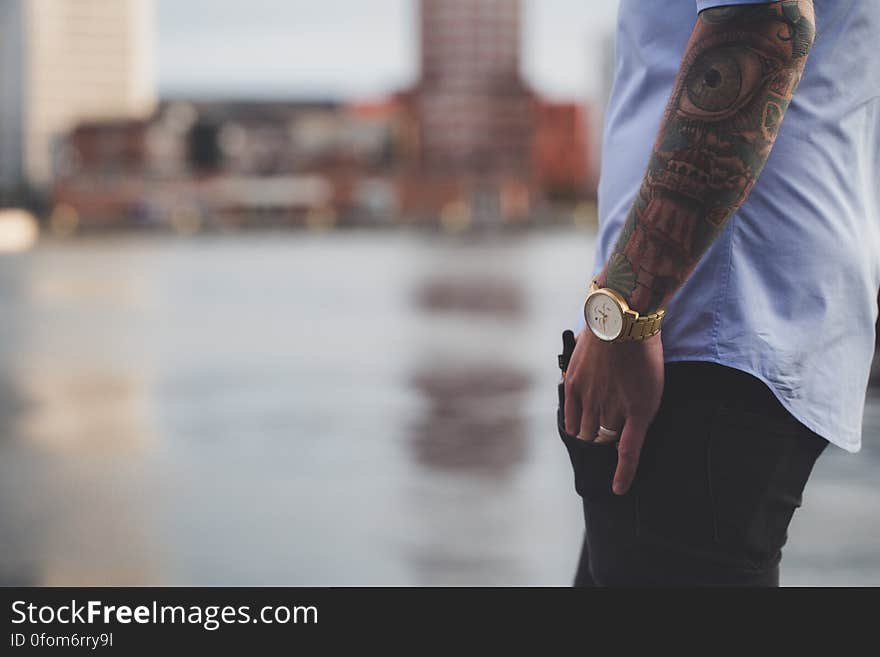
{"points": [[63, 62], [474, 111]]}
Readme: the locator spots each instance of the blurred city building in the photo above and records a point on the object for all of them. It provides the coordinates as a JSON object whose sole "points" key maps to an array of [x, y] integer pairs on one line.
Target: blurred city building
{"points": [[469, 144], [560, 157], [489, 148], [231, 164], [474, 111], [62, 63]]}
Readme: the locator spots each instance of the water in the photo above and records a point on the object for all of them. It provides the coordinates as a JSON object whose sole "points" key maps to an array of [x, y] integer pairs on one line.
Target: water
{"points": [[294, 409]]}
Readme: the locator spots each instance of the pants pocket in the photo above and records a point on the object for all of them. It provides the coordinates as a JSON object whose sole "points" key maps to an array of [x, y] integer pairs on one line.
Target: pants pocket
{"points": [[758, 468], [593, 464]]}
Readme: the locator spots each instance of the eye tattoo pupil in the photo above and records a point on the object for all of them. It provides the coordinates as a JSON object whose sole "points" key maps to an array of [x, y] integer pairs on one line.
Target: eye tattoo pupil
{"points": [[713, 78], [715, 82]]}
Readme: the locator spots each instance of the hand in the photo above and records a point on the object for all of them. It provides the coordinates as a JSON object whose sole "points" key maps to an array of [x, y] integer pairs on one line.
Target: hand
{"points": [[618, 386]]}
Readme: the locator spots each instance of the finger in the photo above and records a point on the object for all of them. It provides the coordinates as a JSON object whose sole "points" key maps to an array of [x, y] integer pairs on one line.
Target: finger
{"points": [[628, 452], [572, 411], [589, 424], [612, 421]]}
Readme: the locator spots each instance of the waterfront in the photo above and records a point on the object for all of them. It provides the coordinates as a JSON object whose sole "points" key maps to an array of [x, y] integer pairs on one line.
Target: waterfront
{"points": [[317, 409]]}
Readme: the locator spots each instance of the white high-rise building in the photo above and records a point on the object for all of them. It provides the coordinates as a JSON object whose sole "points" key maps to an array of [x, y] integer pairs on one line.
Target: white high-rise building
{"points": [[63, 62]]}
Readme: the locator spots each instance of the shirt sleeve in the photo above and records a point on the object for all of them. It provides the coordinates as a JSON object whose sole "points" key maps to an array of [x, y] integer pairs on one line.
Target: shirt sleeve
{"points": [[711, 4]]}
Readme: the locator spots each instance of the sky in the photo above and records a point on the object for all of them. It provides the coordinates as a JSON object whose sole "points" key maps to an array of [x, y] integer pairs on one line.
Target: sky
{"points": [[357, 49]]}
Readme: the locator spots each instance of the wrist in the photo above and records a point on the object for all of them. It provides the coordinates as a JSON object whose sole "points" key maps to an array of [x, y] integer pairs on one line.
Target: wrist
{"points": [[632, 345]]}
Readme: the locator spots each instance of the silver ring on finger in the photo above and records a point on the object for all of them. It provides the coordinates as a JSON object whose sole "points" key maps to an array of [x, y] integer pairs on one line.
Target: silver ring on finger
{"points": [[606, 435]]}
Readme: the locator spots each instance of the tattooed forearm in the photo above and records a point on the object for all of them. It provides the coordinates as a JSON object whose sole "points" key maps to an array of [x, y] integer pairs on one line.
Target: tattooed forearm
{"points": [[739, 73]]}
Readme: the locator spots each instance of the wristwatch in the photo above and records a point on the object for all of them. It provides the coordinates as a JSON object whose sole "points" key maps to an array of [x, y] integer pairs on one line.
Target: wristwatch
{"points": [[610, 318]]}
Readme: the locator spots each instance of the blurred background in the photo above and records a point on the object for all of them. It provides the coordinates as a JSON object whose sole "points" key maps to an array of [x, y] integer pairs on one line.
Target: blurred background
{"points": [[281, 290]]}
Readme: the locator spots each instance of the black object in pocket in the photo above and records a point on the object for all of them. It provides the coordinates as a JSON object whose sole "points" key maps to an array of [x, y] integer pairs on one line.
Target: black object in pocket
{"points": [[593, 464]]}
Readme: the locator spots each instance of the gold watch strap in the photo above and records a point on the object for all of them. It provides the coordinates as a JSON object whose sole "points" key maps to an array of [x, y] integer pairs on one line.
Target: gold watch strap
{"points": [[643, 327]]}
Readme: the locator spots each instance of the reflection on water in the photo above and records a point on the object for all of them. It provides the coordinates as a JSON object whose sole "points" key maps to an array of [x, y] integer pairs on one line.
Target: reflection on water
{"points": [[316, 410], [73, 507], [473, 421], [103, 411], [473, 407], [501, 298]]}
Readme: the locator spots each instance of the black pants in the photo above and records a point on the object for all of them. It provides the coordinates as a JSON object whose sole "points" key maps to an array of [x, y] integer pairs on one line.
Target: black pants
{"points": [[721, 474]]}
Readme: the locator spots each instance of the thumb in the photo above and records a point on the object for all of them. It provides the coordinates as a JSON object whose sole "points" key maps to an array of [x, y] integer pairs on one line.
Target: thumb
{"points": [[628, 452]]}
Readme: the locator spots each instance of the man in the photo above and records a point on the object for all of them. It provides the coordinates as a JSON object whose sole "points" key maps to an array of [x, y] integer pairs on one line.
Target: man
{"points": [[730, 323]]}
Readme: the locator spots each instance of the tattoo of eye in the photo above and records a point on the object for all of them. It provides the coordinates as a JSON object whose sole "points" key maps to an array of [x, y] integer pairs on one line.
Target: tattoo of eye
{"points": [[723, 81], [714, 82], [737, 80]]}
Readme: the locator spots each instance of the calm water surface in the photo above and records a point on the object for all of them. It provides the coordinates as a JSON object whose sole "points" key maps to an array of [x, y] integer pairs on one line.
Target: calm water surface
{"points": [[316, 410]]}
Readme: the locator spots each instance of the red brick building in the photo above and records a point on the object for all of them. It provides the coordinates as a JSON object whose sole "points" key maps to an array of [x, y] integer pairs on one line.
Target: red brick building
{"points": [[560, 150], [474, 111]]}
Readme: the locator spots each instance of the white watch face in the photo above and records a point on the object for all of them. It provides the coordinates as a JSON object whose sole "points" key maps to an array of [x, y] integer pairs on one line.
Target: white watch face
{"points": [[604, 317]]}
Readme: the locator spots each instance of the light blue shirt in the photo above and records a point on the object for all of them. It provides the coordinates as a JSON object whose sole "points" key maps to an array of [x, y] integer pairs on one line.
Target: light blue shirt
{"points": [[788, 292]]}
